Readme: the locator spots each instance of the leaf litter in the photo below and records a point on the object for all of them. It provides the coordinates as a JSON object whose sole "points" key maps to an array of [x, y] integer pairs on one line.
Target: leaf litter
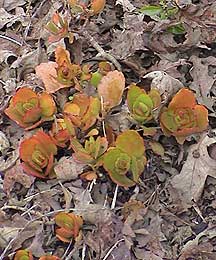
{"points": [[170, 214]]}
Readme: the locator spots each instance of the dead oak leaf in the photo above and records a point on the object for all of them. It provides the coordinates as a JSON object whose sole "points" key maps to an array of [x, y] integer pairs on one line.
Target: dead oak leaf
{"points": [[202, 80], [199, 165], [68, 169], [48, 74], [16, 175]]}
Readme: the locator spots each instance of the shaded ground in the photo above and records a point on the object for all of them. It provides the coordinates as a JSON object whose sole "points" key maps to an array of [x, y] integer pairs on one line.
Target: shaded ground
{"points": [[171, 213]]}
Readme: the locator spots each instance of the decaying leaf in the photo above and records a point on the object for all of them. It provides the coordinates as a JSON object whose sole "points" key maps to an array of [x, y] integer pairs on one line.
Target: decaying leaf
{"points": [[16, 175], [166, 85], [190, 182], [68, 168]]}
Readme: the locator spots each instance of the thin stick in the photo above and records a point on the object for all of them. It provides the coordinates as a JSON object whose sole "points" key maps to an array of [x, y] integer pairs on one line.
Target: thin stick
{"points": [[10, 39], [112, 248], [114, 197], [66, 251], [83, 251], [101, 51]]}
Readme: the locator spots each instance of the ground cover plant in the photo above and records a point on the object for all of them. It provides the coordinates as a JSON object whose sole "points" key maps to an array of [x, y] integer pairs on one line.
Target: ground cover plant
{"points": [[107, 137]]}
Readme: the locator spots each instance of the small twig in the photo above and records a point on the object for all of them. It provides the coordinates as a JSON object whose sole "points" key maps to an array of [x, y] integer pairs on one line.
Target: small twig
{"points": [[83, 252], [67, 250], [114, 197], [10, 39], [112, 248], [101, 51]]}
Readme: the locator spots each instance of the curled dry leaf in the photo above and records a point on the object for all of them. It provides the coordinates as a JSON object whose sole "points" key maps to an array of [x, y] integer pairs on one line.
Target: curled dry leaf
{"points": [[16, 175], [190, 182], [183, 116], [111, 88], [166, 85]]}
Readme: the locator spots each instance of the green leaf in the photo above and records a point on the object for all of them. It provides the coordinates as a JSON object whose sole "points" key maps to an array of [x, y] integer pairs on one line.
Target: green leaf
{"points": [[151, 10], [131, 143], [176, 29]]}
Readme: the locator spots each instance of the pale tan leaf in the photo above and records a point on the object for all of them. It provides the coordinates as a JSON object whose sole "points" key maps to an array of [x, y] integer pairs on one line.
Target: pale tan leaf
{"points": [[111, 88], [47, 73]]}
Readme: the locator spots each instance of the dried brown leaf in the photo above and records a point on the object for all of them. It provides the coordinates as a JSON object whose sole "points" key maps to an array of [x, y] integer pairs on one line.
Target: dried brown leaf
{"points": [[16, 175], [68, 169], [190, 182]]}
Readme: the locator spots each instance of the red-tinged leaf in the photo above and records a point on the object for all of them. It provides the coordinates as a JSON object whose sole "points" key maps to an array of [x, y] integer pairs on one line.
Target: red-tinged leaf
{"points": [[37, 153], [88, 176], [184, 98], [69, 224], [183, 116]]}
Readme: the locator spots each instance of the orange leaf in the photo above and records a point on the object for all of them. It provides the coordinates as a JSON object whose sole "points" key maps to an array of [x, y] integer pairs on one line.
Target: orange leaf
{"points": [[97, 6], [184, 98]]}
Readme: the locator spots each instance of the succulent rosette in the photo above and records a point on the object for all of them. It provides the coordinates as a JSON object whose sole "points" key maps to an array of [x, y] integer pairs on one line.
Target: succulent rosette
{"points": [[29, 109], [183, 116], [128, 156], [67, 72], [62, 131], [83, 110], [141, 104], [37, 154], [69, 226], [23, 254], [92, 150]]}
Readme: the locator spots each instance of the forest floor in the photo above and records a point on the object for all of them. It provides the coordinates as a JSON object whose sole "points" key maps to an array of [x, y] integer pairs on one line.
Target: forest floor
{"points": [[170, 212]]}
